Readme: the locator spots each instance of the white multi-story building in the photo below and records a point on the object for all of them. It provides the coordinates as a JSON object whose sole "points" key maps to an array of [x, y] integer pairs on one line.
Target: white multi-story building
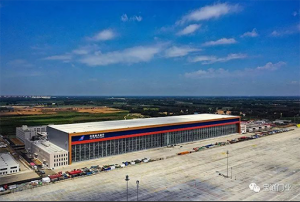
{"points": [[48, 153], [26, 132], [36, 144], [8, 165], [257, 126], [243, 128]]}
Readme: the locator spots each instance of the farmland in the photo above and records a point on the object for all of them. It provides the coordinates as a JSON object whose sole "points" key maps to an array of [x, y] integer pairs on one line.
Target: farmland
{"points": [[8, 124], [17, 111]]}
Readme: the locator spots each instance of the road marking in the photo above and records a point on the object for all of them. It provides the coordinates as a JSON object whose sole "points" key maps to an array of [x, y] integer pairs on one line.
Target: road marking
{"points": [[294, 197]]}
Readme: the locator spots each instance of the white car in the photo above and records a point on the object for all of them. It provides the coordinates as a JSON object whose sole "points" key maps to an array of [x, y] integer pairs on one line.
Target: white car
{"points": [[12, 187], [146, 160], [46, 180]]}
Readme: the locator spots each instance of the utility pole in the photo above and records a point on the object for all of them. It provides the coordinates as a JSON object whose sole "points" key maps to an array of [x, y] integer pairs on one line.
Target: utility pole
{"points": [[137, 190], [127, 179], [231, 173], [227, 162]]}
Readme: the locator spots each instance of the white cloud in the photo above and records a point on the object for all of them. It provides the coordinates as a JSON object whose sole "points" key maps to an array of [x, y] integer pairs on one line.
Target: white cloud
{"points": [[286, 31], [270, 66], [65, 57], [253, 33], [189, 29], [202, 58], [175, 51], [225, 73], [275, 33], [80, 51], [209, 73], [209, 12], [137, 18], [295, 13], [104, 35], [19, 63], [294, 82], [128, 56], [125, 18], [85, 49], [222, 41], [214, 59], [43, 47]]}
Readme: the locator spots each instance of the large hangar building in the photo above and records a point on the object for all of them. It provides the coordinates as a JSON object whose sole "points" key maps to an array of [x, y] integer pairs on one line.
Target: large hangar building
{"points": [[92, 140]]}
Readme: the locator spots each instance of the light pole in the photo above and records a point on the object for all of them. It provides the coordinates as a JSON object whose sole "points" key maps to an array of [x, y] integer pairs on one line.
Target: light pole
{"points": [[227, 162], [137, 190], [127, 179], [231, 173]]}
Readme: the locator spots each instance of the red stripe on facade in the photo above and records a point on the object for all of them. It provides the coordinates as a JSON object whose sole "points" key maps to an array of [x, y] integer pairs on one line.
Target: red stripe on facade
{"points": [[151, 133]]}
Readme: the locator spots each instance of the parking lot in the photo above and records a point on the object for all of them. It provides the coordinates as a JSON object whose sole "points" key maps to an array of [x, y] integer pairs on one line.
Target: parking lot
{"points": [[270, 162]]}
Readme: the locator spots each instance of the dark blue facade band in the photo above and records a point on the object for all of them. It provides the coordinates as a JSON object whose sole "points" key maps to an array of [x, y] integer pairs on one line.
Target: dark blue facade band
{"points": [[147, 130]]}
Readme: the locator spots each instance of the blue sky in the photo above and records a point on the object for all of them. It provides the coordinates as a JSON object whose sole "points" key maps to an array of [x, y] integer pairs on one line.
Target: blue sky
{"points": [[197, 48]]}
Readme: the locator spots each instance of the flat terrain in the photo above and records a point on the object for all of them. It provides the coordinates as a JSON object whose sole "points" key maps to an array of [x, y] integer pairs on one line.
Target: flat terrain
{"points": [[58, 115], [24, 175], [27, 110], [268, 160]]}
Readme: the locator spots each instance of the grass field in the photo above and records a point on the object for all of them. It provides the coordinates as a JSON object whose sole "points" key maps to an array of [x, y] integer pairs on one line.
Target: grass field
{"points": [[8, 124]]}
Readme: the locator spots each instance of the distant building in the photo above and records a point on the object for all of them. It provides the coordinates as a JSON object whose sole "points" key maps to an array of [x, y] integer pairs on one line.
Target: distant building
{"points": [[8, 165], [41, 97], [260, 122], [243, 128], [26, 132], [256, 126], [35, 140], [48, 153], [281, 122]]}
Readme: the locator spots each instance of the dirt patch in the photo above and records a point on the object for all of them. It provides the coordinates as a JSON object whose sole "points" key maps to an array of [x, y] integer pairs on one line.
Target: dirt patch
{"points": [[26, 110], [104, 110], [16, 141]]}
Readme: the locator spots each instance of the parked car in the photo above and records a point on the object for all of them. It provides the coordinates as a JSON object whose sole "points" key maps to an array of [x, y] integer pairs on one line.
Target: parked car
{"points": [[106, 168], [137, 161], [46, 180], [12, 187], [42, 172], [126, 163], [95, 167], [146, 160]]}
